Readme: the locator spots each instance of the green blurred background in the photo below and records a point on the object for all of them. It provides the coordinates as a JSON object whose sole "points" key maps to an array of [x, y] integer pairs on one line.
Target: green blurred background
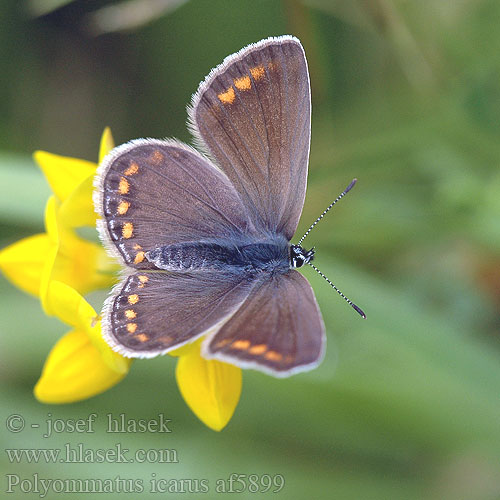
{"points": [[406, 97]]}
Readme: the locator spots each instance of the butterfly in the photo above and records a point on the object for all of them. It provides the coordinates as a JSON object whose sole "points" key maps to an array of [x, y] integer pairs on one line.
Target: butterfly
{"points": [[204, 238]]}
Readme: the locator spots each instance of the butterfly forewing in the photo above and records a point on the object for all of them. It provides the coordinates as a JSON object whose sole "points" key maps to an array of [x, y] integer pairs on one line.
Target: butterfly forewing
{"points": [[253, 114], [152, 193], [152, 312], [278, 329]]}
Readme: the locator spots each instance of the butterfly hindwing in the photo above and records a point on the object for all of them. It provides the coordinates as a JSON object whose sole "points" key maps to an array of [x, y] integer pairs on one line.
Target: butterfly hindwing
{"points": [[153, 312], [151, 193], [253, 115], [278, 329]]}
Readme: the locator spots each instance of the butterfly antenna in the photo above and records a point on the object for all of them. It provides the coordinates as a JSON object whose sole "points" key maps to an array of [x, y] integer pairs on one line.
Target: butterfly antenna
{"points": [[350, 302], [339, 197]]}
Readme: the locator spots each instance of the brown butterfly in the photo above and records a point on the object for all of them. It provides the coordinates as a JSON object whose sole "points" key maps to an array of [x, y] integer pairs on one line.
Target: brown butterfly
{"points": [[205, 239]]}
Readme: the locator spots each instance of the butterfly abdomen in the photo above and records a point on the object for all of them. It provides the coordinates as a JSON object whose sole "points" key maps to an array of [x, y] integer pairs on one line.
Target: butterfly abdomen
{"points": [[269, 255]]}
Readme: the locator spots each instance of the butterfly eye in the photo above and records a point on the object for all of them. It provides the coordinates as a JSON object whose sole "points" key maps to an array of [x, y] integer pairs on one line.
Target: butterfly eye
{"points": [[299, 257]]}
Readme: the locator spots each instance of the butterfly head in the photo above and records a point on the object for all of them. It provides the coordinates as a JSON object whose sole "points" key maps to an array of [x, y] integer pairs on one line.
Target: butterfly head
{"points": [[299, 256]]}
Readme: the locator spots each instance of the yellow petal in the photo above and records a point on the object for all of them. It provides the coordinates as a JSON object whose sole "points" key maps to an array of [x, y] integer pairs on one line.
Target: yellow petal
{"points": [[74, 370], [23, 261], [63, 174], [50, 215], [83, 265], [71, 308], [53, 248], [78, 208], [114, 360], [107, 143], [210, 388], [182, 351]]}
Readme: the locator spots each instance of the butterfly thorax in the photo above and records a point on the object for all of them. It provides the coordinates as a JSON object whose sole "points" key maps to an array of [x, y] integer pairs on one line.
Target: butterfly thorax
{"points": [[270, 254]]}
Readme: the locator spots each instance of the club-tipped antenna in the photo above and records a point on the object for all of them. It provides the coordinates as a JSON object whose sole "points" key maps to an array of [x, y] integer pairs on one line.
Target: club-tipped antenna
{"points": [[350, 302], [339, 197]]}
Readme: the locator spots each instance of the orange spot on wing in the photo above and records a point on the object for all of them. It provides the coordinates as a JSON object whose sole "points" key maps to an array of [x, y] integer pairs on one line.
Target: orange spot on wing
{"points": [[273, 356], [272, 66], [133, 299], [143, 279], [258, 349], [142, 337], [223, 343], [240, 344], [137, 247], [258, 72], [132, 327], [127, 230], [124, 186], [156, 157], [139, 257], [133, 169], [243, 83], [130, 314], [123, 207], [227, 97]]}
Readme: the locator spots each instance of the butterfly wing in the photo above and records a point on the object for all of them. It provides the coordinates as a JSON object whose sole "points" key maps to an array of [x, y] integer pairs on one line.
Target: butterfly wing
{"points": [[253, 115], [152, 312], [278, 329], [151, 193]]}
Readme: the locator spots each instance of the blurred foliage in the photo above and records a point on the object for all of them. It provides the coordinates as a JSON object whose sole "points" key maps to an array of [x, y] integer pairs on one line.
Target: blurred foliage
{"points": [[406, 97]]}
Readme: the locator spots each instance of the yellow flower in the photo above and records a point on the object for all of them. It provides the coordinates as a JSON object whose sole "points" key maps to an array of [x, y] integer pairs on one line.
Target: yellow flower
{"points": [[60, 267]]}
